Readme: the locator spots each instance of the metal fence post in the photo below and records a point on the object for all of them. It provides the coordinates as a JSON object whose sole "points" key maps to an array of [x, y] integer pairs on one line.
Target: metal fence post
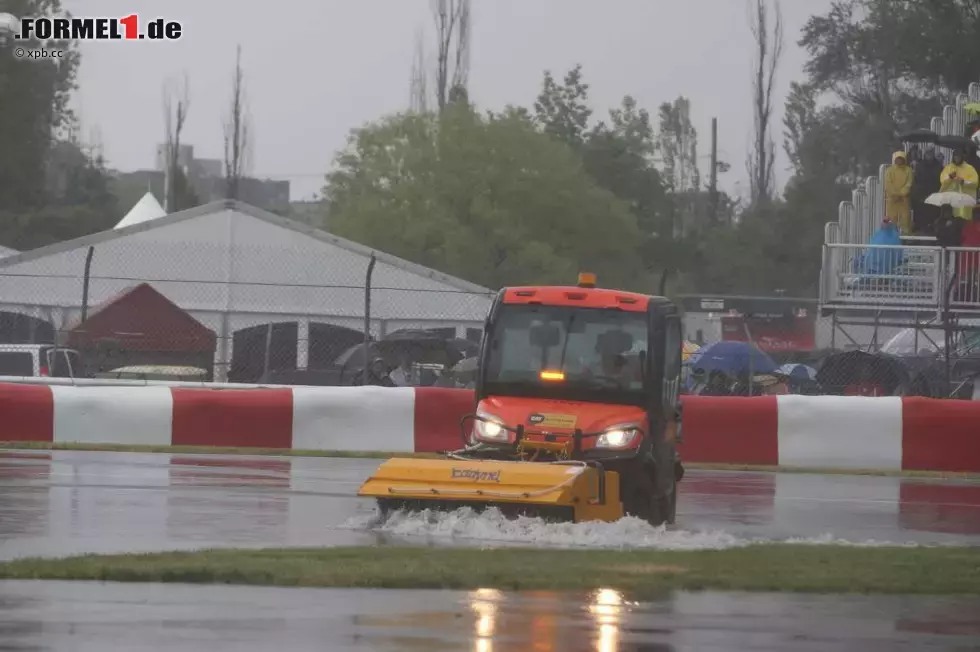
{"points": [[367, 318]]}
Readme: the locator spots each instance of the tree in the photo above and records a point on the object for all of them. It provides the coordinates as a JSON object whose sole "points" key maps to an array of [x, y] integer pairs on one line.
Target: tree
{"points": [[176, 102], [562, 110], [678, 146], [419, 86], [35, 111], [768, 36], [488, 198], [452, 24], [237, 132]]}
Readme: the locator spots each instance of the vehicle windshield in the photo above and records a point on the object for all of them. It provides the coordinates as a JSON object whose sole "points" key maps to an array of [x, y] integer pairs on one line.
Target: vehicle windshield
{"points": [[579, 354]]}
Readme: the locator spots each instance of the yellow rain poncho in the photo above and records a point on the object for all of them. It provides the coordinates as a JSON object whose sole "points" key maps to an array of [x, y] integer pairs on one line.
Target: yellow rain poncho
{"points": [[959, 178], [898, 185], [689, 349]]}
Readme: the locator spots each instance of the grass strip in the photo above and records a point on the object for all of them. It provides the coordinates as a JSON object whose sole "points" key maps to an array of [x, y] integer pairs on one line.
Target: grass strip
{"points": [[638, 573], [287, 452]]}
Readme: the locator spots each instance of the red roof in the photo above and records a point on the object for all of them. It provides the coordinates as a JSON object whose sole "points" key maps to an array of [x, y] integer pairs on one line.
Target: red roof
{"points": [[142, 319]]}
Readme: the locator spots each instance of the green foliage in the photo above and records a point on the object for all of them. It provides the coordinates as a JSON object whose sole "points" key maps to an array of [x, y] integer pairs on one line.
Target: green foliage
{"points": [[34, 108], [50, 189], [490, 199], [562, 109]]}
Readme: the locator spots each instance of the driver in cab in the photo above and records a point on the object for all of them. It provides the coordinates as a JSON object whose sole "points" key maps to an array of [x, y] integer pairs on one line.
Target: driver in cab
{"points": [[611, 362]]}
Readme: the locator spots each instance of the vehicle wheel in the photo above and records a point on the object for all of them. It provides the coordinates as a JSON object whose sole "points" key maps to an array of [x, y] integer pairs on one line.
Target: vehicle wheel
{"points": [[669, 507], [640, 500]]}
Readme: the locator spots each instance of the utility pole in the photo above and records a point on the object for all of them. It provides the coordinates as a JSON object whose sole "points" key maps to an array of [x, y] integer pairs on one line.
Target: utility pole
{"points": [[713, 184]]}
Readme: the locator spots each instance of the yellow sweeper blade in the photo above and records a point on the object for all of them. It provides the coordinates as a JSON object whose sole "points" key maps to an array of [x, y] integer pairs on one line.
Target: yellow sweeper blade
{"points": [[562, 491]]}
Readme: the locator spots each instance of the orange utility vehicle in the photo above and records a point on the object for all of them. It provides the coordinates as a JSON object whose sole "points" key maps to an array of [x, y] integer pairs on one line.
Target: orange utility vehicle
{"points": [[577, 413]]}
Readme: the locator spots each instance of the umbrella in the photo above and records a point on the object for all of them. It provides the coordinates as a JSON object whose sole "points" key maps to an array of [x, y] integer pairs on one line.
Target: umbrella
{"points": [[954, 199], [733, 358], [797, 372], [688, 350], [920, 136], [956, 142]]}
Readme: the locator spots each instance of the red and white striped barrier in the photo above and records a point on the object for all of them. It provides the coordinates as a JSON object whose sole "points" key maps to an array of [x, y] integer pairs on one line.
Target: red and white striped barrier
{"points": [[839, 432], [803, 431], [306, 418]]}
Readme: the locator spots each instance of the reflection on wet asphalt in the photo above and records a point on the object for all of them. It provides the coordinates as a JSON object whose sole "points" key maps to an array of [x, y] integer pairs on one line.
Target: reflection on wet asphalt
{"points": [[68, 502], [92, 617]]}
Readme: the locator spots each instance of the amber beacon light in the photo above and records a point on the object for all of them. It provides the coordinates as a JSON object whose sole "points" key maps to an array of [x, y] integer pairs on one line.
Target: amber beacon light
{"points": [[586, 280]]}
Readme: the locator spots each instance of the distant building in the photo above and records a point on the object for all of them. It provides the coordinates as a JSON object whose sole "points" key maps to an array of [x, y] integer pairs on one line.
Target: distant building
{"points": [[207, 176]]}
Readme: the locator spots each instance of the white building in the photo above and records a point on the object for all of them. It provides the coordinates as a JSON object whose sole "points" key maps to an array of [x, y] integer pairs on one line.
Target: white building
{"points": [[235, 269]]}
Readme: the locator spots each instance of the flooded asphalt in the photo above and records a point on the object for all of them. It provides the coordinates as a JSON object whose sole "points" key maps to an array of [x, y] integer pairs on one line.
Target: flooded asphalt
{"points": [[67, 502], [94, 617]]}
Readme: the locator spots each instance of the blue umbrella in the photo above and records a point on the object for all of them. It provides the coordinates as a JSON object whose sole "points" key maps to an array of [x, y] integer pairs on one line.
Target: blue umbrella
{"points": [[732, 358], [798, 371]]}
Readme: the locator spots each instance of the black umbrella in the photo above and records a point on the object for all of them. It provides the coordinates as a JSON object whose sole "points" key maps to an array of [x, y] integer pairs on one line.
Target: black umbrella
{"points": [[956, 142], [426, 350], [920, 136], [842, 369]]}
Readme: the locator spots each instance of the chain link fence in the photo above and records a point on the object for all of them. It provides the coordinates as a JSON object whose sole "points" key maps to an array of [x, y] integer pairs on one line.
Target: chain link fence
{"points": [[190, 310], [290, 312], [826, 354]]}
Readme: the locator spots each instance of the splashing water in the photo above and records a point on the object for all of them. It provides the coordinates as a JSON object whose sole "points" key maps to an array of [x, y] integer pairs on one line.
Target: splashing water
{"points": [[491, 528]]}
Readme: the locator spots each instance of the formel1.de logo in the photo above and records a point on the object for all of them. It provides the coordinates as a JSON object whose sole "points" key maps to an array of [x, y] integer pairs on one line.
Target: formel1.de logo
{"points": [[124, 28]]}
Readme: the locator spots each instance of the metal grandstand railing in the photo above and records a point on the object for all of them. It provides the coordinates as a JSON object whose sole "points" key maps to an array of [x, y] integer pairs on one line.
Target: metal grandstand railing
{"points": [[875, 277], [858, 219]]}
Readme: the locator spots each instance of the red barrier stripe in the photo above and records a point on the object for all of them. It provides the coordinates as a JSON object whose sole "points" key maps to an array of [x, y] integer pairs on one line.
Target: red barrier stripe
{"points": [[26, 412], [730, 430], [261, 418], [438, 411], [940, 435]]}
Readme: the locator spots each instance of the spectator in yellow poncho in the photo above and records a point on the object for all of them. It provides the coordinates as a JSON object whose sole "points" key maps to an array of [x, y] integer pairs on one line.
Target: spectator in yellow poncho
{"points": [[898, 185], [959, 176]]}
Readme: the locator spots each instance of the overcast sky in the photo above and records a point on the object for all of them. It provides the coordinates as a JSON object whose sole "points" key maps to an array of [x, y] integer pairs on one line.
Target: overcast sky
{"points": [[317, 68]]}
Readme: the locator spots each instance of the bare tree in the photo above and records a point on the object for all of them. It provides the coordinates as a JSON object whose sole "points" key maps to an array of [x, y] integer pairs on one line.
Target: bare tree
{"points": [[768, 34], [419, 91], [237, 132], [176, 102], [452, 23]]}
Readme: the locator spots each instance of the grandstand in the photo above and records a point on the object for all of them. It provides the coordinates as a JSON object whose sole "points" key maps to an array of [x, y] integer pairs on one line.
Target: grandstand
{"points": [[922, 289]]}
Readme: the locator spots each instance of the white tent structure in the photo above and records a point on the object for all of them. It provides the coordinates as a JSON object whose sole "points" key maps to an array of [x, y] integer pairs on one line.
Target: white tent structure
{"points": [[233, 267], [146, 209]]}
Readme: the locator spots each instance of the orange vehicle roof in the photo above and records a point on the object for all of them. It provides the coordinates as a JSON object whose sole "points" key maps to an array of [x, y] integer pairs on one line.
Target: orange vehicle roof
{"points": [[551, 295]]}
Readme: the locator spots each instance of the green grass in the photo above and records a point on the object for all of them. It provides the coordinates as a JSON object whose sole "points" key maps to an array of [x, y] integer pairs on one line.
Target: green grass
{"points": [[285, 452], [772, 567]]}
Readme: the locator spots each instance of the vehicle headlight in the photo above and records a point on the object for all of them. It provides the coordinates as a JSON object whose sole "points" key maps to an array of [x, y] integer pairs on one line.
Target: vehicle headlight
{"points": [[618, 436], [490, 428]]}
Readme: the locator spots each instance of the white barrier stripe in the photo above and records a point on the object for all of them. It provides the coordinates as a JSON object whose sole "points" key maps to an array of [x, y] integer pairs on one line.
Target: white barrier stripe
{"points": [[113, 415], [354, 418], [846, 432]]}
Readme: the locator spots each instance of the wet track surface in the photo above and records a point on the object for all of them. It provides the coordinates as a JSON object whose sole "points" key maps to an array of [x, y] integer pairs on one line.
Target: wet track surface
{"points": [[68, 502], [91, 617]]}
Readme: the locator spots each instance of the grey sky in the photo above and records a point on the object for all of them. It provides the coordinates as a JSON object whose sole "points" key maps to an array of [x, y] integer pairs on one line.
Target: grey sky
{"points": [[317, 68]]}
